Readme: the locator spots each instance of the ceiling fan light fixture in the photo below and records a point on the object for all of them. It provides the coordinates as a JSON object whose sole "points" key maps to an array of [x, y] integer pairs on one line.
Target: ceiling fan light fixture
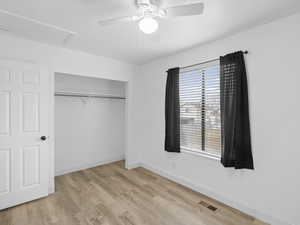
{"points": [[148, 25]]}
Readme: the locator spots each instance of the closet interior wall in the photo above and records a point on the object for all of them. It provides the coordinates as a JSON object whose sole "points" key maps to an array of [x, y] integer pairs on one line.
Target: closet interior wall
{"points": [[89, 131]]}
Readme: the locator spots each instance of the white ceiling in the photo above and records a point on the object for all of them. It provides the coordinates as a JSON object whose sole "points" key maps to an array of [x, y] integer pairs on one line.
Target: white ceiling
{"points": [[125, 41]]}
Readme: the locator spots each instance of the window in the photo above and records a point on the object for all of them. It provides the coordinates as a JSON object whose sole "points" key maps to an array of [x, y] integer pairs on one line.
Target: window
{"points": [[200, 123]]}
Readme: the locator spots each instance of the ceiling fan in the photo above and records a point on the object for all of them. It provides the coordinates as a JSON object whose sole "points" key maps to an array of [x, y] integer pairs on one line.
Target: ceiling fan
{"points": [[149, 10]]}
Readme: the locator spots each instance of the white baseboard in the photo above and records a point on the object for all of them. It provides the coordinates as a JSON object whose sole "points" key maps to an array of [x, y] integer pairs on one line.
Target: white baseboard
{"points": [[133, 166], [90, 165], [51, 189], [218, 197]]}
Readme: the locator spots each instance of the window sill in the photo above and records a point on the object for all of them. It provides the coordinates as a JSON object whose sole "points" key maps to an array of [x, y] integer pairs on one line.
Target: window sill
{"points": [[201, 154]]}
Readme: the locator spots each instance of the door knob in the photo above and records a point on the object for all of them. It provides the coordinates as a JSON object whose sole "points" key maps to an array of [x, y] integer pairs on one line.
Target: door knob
{"points": [[43, 138]]}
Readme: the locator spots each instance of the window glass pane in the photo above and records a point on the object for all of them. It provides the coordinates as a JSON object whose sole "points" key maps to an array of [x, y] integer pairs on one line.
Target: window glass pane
{"points": [[190, 109], [212, 110], [200, 109]]}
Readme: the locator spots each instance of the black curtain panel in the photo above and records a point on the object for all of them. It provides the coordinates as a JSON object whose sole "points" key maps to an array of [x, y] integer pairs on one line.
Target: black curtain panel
{"points": [[172, 112], [236, 140]]}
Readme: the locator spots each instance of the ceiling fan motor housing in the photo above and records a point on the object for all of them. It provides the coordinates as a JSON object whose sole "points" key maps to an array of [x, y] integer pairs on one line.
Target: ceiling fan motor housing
{"points": [[150, 8], [143, 2]]}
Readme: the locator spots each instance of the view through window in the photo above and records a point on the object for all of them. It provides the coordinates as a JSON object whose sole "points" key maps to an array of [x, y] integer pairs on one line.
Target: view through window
{"points": [[200, 123]]}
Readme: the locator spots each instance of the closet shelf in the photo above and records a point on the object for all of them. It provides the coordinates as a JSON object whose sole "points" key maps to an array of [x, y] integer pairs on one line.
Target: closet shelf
{"points": [[88, 95]]}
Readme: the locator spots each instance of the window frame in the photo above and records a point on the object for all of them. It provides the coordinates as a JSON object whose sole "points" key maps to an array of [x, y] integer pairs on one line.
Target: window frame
{"points": [[199, 152]]}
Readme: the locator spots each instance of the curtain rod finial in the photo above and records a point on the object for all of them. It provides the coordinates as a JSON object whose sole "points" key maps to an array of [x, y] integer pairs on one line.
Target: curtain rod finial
{"points": [[246, 52]]}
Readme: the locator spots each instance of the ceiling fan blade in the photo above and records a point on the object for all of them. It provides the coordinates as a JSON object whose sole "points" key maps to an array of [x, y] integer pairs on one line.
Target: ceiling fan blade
{"points": [[185, 10], [117, 20]]}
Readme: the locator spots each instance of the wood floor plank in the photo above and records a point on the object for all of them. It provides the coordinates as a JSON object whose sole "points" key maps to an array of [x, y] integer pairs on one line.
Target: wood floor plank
{"points": [[113, 195]]}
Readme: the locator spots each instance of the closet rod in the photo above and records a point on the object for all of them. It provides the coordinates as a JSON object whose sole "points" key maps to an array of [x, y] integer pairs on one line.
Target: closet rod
{"points": [[87, 95]]}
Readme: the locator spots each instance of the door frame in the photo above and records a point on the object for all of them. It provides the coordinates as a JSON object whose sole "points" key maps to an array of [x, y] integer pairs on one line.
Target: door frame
{"points": [[52, 133], [52, 123]]}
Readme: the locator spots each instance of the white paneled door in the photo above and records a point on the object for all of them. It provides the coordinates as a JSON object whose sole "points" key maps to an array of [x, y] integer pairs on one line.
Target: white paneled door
{"points": [[24, 102]]}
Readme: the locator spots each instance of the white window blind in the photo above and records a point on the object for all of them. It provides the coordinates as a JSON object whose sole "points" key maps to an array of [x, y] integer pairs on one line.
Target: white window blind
{"points": [[200, 123]]}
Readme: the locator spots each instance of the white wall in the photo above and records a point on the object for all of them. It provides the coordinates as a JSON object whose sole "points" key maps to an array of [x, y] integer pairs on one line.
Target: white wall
{"points": [[271, 191], [88, 131], [72, 62]]}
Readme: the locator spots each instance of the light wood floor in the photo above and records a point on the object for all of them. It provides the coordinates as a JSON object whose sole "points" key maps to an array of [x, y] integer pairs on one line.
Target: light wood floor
{"points": [[112, 195]]}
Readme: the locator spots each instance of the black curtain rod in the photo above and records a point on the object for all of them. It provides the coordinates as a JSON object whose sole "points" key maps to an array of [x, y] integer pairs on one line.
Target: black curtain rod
{"points": [[208, 61]]}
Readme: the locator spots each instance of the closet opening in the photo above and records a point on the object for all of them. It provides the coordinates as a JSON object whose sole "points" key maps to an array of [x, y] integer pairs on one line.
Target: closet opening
{"points": [[90, 122]]}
